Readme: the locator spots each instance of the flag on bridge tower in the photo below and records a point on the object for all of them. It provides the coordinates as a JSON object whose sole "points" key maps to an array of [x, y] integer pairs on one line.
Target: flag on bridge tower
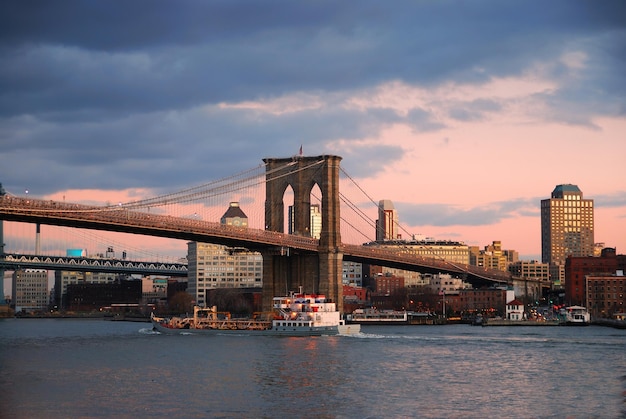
{"points": [[300, 149]]}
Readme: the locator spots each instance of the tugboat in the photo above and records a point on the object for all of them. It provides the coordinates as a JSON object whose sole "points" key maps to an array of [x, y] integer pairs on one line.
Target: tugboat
{"points": [[294, 315]]}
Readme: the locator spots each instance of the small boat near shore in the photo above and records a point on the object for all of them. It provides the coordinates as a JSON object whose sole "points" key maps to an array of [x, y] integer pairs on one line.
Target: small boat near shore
{"points": [[379, 317], [294, 315], [575, 316]]}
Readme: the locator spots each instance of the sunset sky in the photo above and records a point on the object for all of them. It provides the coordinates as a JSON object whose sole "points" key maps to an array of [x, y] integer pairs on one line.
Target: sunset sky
{"points": [[465, 114]]}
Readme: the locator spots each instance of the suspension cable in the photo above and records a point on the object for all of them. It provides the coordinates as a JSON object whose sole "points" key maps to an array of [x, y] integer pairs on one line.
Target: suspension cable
{"points": [[196, 193]]}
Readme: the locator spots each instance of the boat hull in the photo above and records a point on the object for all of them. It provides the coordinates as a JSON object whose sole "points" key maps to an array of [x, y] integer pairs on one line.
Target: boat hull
{"points": [[339, 330]]}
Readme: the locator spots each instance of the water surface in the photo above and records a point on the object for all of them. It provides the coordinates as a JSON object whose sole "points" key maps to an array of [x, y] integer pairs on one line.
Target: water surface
{"points": [[63, 368]]}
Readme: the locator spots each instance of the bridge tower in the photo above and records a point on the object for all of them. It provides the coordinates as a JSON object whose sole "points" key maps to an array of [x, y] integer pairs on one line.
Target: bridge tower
{"points": [[285, 269]]}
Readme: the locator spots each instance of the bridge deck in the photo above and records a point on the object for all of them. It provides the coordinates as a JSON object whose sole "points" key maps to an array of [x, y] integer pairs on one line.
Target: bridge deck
{"points": [[127, 220]]}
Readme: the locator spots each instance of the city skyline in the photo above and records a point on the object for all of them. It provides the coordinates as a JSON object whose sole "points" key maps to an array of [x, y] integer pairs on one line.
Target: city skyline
{"points": [[464, 115]]}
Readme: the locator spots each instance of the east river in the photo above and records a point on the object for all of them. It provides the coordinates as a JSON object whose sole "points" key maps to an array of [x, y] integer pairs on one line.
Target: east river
{"points": [[67, 368]]}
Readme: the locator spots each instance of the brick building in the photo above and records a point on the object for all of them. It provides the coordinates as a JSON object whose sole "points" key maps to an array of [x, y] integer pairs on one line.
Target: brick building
{"points": [[605, 294], [577, 267]]}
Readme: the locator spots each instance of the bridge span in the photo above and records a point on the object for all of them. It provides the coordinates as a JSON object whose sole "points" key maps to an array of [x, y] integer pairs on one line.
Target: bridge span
{"points": [[121, 219]]}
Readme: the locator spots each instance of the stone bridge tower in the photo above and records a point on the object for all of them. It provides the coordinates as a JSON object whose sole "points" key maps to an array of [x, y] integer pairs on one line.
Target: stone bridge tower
{"points": [[285, 269]]}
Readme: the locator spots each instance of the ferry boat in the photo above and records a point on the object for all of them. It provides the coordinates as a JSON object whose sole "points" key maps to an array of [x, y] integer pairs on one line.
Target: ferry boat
{"points": [[379, 317], [575, 316], [294, 315]]}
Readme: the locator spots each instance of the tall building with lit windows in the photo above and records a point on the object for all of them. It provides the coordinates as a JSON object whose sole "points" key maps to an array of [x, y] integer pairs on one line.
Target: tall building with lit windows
{"points": [[566, 228]]}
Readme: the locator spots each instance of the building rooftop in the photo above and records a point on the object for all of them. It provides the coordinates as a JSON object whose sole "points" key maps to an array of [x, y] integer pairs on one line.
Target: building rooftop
{"points": [[234, 211], [567, 188]]}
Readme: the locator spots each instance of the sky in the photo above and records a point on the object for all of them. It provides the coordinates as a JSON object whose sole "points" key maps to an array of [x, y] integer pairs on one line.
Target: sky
{"points": [[465, 114]]}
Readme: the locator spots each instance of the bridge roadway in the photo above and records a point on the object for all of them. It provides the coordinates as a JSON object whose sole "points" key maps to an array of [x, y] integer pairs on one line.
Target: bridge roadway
{"points": [[126, 220]]}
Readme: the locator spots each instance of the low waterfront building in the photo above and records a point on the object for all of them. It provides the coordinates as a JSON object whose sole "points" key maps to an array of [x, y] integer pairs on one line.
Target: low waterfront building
{"points": [[606, 294], [96, 297], [486, 300], [515, 310], [577, 267], [30, 290], [62, 279]]}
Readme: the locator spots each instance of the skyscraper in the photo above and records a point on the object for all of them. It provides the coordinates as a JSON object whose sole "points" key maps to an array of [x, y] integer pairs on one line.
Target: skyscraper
{"points": [[387, 223], [566, 226]]}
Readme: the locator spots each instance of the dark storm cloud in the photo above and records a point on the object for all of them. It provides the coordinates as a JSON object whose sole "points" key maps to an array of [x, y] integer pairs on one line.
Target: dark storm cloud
{"points": [[166, 150], [111, 95], [159, 55]]}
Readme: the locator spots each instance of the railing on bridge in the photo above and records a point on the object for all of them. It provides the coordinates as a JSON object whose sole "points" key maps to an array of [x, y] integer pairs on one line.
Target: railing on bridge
{"points": [[16, 261]]}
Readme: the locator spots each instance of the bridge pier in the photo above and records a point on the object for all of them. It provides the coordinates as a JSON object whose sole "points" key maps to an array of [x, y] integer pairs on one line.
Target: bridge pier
{"points": [[316, 273], [331, 265], [288, 271]]}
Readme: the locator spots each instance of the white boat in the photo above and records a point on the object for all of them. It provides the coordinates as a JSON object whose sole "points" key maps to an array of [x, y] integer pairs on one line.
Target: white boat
{"points": [[374, 316], [575, 316], [294, 315]]}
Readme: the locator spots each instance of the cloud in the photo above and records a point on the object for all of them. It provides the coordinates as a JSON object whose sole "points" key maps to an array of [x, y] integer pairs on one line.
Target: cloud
{"points": [[444, 215], [614, 200], [175, 56]]}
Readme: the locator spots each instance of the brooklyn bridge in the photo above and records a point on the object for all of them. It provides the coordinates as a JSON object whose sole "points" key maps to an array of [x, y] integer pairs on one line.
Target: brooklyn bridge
{"points": [[289, 260]]}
